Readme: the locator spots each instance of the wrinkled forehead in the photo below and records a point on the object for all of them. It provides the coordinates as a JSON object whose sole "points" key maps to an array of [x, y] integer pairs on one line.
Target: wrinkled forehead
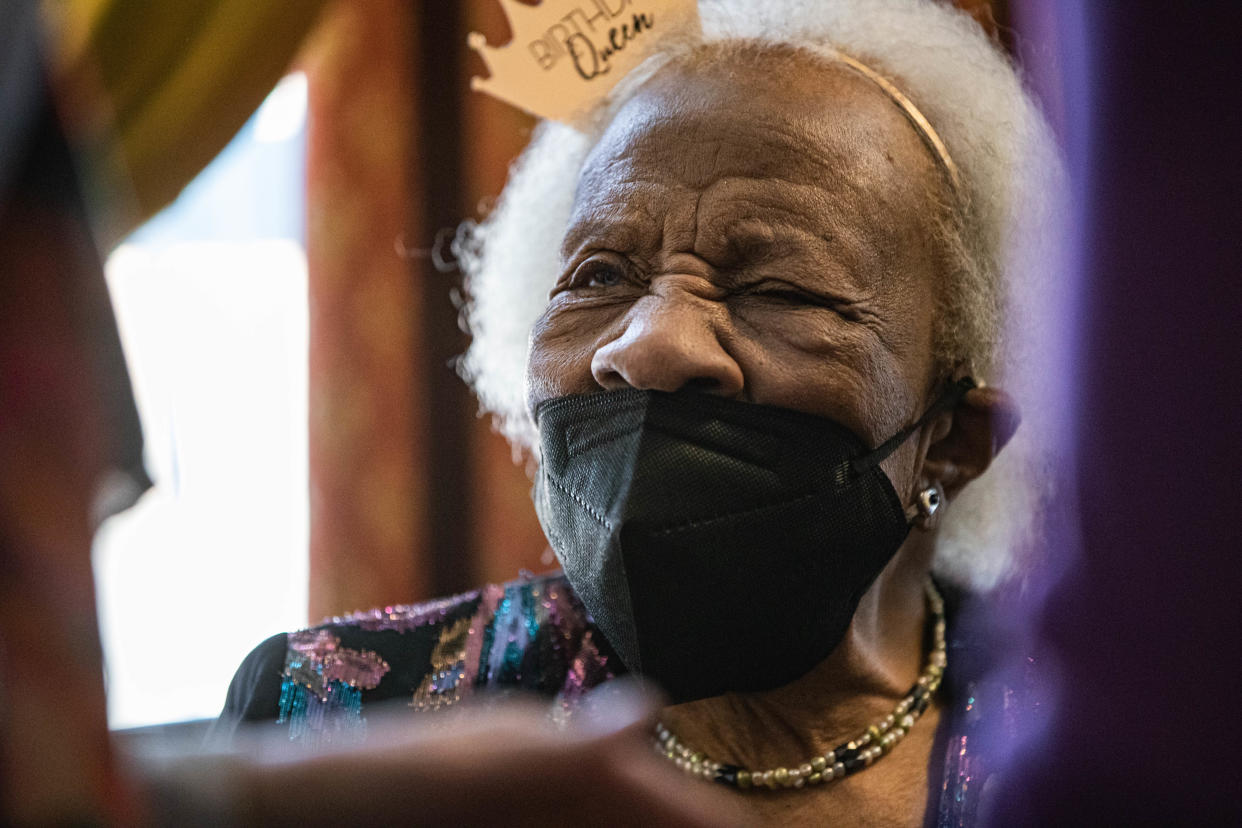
{"points": [[800, 120]]}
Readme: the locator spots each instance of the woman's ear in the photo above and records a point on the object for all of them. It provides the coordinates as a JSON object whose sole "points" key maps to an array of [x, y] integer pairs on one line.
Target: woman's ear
{"points": [[981, 425]]}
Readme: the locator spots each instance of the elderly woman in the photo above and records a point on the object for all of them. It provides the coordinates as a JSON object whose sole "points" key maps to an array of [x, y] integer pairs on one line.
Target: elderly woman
{"points": [[761, 295]]}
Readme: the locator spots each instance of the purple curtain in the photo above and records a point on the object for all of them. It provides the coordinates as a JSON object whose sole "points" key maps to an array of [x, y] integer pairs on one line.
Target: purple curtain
{"points": [[1145, 624]]}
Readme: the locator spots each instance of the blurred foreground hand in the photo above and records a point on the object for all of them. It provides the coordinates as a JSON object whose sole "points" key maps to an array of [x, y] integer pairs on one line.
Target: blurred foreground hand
{"points": [[477, 766]]}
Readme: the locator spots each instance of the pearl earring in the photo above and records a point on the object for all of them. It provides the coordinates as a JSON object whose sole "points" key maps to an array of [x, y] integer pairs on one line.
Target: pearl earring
{"points": [[929, 501]]}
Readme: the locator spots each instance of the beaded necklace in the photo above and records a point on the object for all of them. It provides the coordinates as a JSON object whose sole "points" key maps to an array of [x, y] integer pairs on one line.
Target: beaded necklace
{"points": [[847, 758]]}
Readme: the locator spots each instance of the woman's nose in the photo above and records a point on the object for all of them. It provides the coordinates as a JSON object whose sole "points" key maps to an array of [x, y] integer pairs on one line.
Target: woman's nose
{"points": [[667, 345]]}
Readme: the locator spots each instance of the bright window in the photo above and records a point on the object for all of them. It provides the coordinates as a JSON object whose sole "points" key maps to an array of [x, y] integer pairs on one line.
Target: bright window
{"points": [[210, 298]]}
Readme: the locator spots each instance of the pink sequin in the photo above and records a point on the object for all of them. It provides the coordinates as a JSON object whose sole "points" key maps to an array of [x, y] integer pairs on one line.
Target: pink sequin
{"points": [[313, 643], [357, 668], [488, 600], [320, 659], [403, 617], [588, 669]]}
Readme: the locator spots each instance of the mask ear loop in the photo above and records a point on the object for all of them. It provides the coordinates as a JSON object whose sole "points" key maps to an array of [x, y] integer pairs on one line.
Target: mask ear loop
{"points": [[947, 401]]}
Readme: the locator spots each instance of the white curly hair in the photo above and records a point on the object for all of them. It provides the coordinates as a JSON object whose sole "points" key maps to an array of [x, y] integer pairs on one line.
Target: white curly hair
{"points": [[1004, 297]]}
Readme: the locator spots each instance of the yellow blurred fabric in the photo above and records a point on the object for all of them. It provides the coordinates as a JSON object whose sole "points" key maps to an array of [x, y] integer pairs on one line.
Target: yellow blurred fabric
{"points": [[154, 89]]}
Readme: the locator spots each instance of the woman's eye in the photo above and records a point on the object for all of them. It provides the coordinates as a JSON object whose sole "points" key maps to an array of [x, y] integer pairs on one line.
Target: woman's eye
{"points": [[598, 273], [789, 296]]}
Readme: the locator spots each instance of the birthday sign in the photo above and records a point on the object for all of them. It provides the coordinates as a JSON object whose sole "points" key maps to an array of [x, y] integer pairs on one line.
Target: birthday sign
{"points": [[567, 54]]}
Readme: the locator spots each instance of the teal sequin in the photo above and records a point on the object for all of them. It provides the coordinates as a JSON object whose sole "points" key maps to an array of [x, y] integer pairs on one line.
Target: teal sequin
{"points": [[531, 606], [319, 709]]}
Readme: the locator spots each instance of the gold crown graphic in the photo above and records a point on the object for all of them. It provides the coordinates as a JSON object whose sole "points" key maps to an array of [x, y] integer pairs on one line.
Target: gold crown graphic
{"points": [[566, 55]]}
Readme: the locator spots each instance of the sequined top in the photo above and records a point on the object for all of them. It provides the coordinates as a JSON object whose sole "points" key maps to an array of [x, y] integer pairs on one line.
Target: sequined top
{"points": [[534, 635]]}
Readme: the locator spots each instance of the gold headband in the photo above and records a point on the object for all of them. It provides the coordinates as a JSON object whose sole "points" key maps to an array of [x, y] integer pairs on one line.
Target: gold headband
{"points": [[912, 113]]}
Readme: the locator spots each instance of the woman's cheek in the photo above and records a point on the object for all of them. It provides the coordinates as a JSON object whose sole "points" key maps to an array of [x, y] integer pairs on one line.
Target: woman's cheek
{"points": [[817, 363], [817, 333], [563, 342]]}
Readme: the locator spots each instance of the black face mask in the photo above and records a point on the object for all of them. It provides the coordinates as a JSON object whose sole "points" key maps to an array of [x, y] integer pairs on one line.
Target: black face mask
{"points": [[718, 545]]}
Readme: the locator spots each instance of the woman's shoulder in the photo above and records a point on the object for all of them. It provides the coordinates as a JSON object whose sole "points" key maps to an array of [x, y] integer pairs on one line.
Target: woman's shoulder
{"points": [[531, 634]]}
